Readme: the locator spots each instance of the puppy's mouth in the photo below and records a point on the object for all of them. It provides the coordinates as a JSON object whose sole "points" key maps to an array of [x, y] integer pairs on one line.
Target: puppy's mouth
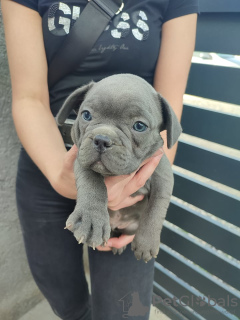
{"points": [[106, 156], [99, 167]]}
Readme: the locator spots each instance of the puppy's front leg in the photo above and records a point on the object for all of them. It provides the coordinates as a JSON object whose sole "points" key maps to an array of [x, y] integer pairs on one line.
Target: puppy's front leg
{"points": [[89, 221], [147, 239]]}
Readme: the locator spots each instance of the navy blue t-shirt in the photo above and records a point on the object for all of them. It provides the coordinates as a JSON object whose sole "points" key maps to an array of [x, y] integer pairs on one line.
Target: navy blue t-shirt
{"points": [[130, 43]]}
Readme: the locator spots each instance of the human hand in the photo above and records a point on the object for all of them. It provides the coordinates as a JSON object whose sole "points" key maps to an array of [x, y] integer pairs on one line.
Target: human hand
{"points": [[120, 188], [117, 242], [64, 182]]}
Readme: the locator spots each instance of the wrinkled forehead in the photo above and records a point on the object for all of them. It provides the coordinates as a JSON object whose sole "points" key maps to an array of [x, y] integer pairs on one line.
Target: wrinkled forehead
{"points": [[124, 84], [134, 98]]}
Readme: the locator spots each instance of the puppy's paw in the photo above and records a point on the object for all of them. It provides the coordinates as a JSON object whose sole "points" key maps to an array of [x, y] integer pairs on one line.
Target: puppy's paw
{"points": [[144, 248], [118, 251], [90, 229]]}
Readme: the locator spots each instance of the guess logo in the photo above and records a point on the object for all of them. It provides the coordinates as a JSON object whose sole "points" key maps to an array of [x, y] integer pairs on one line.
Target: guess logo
{"points": [[61, 18]]}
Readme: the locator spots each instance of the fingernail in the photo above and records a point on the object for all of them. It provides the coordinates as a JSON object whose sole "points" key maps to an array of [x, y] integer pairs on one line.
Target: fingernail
{"points": [[109, 244], [160, 150], [159, 157]]}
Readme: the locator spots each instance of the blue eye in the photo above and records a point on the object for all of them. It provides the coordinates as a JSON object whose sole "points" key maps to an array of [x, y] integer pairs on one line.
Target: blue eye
{"points": [[140, 126], [86, 115]]}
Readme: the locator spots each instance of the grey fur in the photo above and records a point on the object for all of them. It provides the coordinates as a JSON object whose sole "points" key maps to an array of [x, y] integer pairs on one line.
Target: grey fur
{"points": [[116, 103]]}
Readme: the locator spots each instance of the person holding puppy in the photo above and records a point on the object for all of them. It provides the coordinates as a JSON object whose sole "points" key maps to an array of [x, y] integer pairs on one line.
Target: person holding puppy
{"points": [[153, 39]]}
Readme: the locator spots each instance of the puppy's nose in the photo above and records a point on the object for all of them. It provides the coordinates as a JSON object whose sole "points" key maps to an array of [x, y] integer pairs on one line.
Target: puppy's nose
{"points": [[101, 143]]}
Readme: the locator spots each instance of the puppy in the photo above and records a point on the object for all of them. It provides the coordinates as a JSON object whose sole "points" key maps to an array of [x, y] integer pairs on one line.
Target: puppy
{"points": [[117, 127]]}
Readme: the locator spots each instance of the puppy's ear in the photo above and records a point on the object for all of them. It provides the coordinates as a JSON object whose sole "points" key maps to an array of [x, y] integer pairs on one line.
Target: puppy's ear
{"points": [[170, 122], [73, 102]]}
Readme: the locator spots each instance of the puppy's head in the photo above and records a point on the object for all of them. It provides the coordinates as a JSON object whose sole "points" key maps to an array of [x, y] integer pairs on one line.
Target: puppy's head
{"points": [[118, 123]]}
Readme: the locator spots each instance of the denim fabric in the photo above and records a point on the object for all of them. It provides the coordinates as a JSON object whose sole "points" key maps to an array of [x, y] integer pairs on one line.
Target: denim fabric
{"points": [[121, 286]]}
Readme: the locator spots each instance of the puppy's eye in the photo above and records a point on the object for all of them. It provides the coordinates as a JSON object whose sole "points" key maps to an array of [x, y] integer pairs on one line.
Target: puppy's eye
{"points": [[86, 115], [140, 126]]}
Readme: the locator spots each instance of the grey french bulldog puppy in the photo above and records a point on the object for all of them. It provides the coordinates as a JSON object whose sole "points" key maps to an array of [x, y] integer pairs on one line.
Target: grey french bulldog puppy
{"points": [[117, 127]]}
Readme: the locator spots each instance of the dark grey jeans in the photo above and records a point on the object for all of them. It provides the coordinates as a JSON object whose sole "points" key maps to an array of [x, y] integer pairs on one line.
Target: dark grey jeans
{"points": [[121, 286]]}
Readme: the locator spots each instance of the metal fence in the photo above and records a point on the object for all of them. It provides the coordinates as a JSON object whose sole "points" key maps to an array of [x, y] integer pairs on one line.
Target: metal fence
{"points": [[197, 273]]}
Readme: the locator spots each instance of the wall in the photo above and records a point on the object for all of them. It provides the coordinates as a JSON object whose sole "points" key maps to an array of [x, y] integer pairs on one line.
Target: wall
{"points": [[18, 292]]}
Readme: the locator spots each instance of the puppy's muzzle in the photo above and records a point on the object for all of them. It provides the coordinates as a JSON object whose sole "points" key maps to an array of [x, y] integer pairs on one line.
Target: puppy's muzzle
{"points": [[101, 143]]}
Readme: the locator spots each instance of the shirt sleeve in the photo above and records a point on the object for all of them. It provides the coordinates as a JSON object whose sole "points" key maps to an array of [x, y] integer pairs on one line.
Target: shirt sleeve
{"points": [[32, 4], [178, 8]]}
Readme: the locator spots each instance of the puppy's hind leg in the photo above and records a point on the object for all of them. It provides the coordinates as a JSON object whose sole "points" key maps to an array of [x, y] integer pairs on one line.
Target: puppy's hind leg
{"points": [[114, 234], [118, 251]]}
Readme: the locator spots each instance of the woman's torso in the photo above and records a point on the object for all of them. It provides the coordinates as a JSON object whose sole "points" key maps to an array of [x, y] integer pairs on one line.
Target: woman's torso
{"points": [[130, 43]]}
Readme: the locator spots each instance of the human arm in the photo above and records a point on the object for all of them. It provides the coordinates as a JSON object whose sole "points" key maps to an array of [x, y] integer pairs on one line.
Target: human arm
{"points": [[32, 117], [171, 74]]}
